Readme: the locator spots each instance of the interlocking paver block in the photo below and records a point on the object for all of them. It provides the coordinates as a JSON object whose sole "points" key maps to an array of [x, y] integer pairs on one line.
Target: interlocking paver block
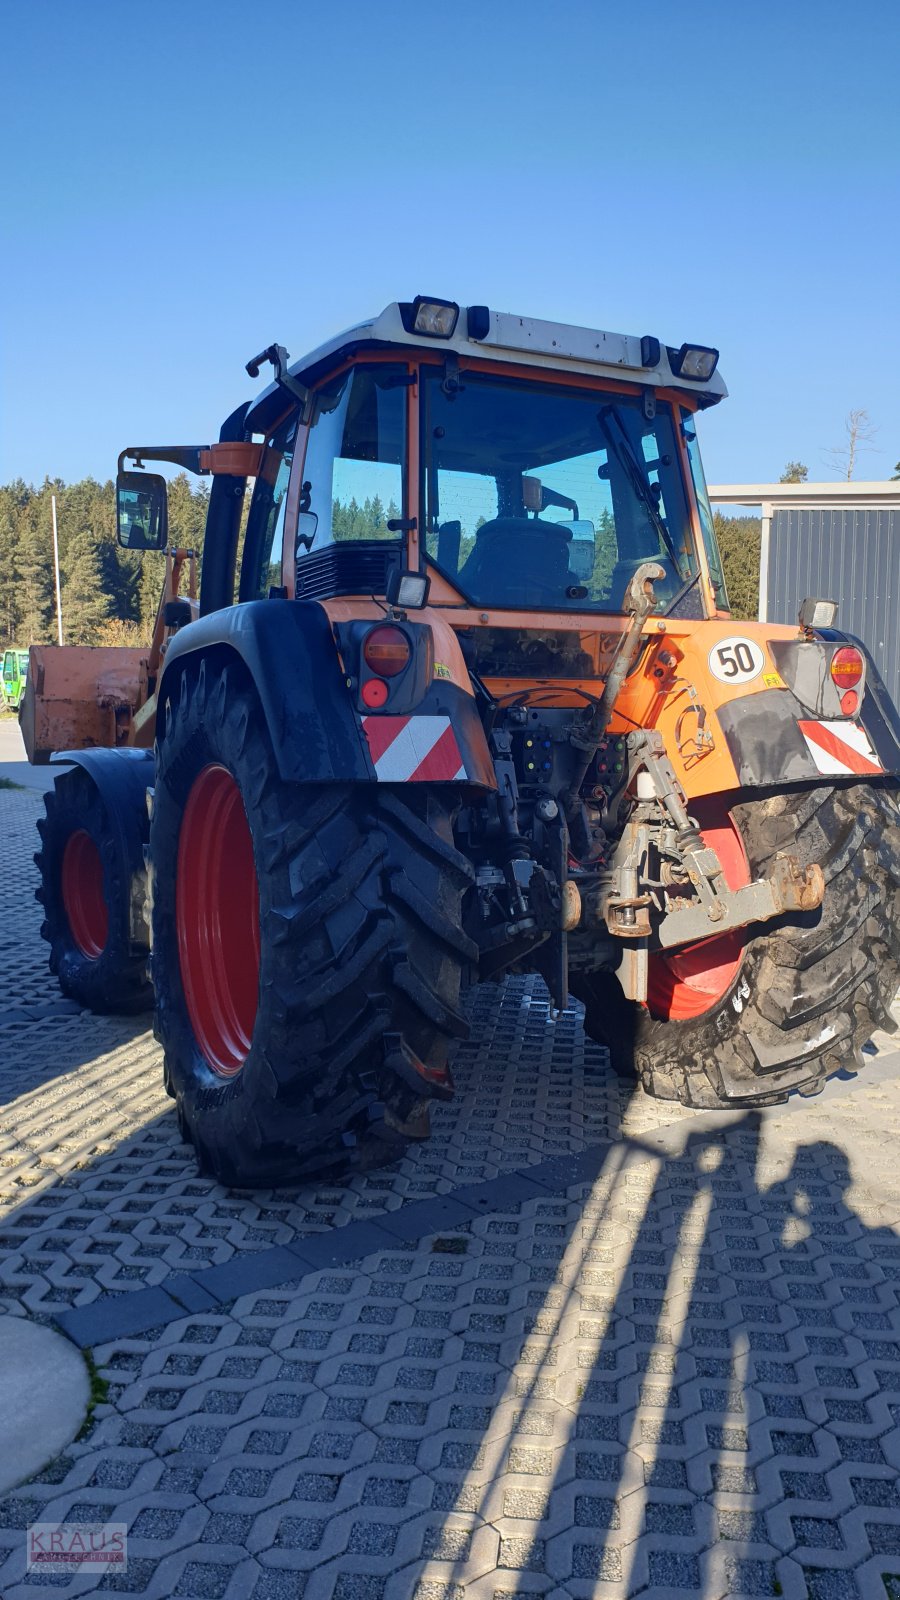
{"points": [[665, 1362]]}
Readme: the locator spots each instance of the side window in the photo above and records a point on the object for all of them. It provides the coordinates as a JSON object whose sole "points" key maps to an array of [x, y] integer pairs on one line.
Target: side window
{"points": [[353, 471], [710, 542], [261, 560]]}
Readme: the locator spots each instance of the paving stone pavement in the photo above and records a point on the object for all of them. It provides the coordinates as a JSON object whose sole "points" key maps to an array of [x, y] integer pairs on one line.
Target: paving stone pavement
{"points": [[681, 1377]]}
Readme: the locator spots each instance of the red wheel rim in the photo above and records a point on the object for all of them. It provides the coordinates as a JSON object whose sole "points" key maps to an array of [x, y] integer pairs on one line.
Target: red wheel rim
{"points": [[217, 917], [83, 896], [686, 983]]}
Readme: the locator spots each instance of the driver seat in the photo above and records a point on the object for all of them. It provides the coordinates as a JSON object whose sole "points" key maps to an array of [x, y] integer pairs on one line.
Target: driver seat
{"points": [[518, 561]]}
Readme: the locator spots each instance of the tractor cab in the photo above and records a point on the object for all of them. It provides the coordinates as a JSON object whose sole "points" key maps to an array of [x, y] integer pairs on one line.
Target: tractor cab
{"points": [[516, 464]]}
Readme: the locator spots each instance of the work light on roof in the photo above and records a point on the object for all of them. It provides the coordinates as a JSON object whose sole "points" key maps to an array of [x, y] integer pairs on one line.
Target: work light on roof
{"points": [[816, 613], [696, 362], [435, 318]]}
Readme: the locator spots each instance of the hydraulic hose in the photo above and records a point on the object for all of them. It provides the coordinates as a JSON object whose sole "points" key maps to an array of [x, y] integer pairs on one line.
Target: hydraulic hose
{"points": [[588, 731]]}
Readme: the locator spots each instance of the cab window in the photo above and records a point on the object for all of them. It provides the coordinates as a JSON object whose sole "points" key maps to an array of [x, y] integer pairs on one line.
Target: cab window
{"points": [[261, 562], [710, 542], [353, 471]]}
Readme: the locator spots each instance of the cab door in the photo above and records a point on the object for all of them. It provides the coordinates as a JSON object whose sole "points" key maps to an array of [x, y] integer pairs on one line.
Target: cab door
{"points": [[261, 560]]}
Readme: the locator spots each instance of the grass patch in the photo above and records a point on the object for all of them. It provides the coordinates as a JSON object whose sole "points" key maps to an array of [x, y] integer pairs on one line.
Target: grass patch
{"points": [[7, 783], [98, 1396], [450, 1247]]}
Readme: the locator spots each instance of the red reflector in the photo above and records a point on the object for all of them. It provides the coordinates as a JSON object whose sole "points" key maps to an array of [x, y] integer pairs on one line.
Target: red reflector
{"points": [[373, 693], [849, 702], [846, 667], [386, 651]]}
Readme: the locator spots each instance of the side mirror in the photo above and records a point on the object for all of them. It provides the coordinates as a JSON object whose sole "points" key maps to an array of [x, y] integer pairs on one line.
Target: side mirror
{"points": [[307, 523], [582, 548], [142, 510]]}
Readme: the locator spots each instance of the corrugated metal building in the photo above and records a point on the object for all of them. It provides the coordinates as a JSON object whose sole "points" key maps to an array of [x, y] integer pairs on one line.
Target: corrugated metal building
{"points": [[852, 556], [839, 541]]}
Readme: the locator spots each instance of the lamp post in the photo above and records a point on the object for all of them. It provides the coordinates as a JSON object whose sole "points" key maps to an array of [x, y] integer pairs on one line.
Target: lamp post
{"points": [[59, 629]]}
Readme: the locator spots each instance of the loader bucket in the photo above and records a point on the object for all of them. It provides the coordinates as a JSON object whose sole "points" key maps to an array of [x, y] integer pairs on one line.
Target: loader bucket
{"points": [[80, 696]]}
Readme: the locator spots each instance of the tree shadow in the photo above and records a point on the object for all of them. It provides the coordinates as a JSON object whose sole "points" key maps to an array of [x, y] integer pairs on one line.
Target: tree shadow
{"points": [[679, 1390]]}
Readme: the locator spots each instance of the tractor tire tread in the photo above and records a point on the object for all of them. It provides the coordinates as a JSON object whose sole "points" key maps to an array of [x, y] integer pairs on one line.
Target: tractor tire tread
{"points": [[360, 914], [116, 982], [811, 990]]}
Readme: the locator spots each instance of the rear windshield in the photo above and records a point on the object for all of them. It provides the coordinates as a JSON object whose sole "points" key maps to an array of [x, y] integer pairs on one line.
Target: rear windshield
{"points": [[550, 497]]}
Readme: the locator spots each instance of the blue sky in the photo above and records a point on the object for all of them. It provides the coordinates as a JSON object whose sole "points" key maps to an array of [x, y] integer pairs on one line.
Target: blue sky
{"points": [[187, 181]]}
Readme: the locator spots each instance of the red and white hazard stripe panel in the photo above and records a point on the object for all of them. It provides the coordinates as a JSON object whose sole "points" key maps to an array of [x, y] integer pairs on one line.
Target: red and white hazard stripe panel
{"points": [[414, 749], [839, 748]]}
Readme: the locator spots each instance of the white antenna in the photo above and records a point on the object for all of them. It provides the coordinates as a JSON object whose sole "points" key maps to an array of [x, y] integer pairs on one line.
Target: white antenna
{"points": [[56, 569]]}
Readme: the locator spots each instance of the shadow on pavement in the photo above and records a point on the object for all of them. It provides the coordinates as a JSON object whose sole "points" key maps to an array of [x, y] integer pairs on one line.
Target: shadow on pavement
{"points": [[684, 1383]]}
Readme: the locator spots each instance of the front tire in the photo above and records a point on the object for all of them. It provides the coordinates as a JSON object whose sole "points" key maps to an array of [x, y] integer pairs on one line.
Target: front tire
{"points": [[87, 899], [808, 991], [311, 1035]]}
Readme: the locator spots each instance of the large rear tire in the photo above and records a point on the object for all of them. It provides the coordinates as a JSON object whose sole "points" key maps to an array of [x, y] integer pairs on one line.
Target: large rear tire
{"points": [[307, 948], [87, 898], [808, 991]]}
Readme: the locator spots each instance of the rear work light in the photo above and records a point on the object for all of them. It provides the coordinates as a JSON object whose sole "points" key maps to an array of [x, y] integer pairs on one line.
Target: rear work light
{"points": [[694, 361], [435, 318], [386, 650], [818, 613], [847, 668]]}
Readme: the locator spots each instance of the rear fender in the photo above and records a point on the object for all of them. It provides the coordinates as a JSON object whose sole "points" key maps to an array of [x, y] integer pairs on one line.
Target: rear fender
{"points": [[779, 724], [799, 734], [288, 650]]}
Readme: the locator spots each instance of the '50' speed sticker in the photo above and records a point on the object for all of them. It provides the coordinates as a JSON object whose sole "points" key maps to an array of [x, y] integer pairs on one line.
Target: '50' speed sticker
{"points": [[736, 660]]}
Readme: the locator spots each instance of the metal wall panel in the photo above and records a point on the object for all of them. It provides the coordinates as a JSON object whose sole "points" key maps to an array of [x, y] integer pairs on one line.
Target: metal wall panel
{"points": [[849, 556]]}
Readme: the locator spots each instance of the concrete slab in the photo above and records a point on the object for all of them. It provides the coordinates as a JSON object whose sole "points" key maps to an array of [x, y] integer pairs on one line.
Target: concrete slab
{"points": [[14, 763], [44, 1393]]}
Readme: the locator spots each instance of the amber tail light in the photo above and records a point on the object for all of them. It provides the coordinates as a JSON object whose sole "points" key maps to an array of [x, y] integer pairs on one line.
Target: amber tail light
{"points": [[387, 651]]}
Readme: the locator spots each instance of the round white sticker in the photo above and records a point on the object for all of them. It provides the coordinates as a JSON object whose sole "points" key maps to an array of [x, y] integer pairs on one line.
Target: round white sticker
{"points": [[736, 660]]}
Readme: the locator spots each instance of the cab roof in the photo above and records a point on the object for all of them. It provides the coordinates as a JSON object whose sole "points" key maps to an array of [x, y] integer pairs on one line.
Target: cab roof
{"points": [[482, 334]]}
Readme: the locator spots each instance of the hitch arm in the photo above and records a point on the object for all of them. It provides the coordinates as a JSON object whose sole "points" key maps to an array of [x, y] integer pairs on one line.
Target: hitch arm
{"points": [[789, 887]]}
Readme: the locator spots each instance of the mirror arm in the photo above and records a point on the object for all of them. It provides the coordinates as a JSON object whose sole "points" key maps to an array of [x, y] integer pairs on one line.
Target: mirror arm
{"points": [[278, 356], [235, 459], [181, 455], [552, 497]]}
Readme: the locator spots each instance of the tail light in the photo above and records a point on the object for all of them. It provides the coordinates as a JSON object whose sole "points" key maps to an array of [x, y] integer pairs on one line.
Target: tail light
{"points": [[847, 667], [374, 693], [387, 651]]}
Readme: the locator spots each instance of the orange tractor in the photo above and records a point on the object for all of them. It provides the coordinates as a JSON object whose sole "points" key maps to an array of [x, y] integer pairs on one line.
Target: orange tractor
{"points": [[470, 701]]}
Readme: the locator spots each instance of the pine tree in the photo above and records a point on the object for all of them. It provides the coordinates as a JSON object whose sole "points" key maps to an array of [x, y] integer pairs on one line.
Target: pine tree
{"points": [[606, 554], [187, 513], [103, 583], [151, 576], [35, 564], [86, 603], [10, 575], [739, 543]]}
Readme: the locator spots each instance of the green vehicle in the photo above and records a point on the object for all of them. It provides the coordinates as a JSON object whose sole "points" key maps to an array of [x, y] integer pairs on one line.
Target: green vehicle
{"points": [[12, 678]]}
